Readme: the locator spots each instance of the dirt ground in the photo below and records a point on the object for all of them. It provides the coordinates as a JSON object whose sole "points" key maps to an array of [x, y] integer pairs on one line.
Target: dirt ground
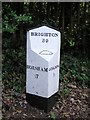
{"points": [[72, 102]]}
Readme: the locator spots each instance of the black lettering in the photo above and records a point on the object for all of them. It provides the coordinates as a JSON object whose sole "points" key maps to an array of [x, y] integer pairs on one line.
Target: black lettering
{"points": [[36, 75], [46, 69], [49, 34], [38, 34], [37, 68], [46, 40], [43, 40], [56, 35], [32, 34], [33, 67], [44, 34], [53, 34], [35, 34], [29, 67], [41, 69], [52, 68], [41, 34]]}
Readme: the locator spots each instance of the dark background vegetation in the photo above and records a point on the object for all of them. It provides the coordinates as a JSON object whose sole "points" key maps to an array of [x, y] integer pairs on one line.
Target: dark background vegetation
{"points": [[71, 19]]}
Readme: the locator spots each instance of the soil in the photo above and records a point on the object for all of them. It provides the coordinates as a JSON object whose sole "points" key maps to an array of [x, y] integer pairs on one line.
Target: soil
{"points": [[73, 102]]}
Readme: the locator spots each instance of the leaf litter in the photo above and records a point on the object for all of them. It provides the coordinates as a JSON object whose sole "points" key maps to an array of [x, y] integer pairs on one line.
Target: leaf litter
{"points": [[74, 105]]}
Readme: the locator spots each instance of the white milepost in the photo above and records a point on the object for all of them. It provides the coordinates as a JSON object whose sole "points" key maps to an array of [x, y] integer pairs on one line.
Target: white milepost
{"points": [[43, 61]]}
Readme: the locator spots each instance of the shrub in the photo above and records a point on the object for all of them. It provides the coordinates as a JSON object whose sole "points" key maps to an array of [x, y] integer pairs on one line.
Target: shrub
{"points": [[13, 69], [74, 69]]}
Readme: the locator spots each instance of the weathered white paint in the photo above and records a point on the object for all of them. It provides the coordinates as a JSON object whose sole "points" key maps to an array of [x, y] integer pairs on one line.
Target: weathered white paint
{"points": [[42, 60]]}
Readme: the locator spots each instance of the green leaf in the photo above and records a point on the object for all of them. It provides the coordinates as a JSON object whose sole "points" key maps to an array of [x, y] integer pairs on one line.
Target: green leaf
{"points": [[53, 115]]}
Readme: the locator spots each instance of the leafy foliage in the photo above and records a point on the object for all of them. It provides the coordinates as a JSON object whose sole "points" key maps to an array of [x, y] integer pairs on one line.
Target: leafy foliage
{"points": [[73, 23], [14, 69], [65, 92], [74, 70], [53, 116], [11, 20]]}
